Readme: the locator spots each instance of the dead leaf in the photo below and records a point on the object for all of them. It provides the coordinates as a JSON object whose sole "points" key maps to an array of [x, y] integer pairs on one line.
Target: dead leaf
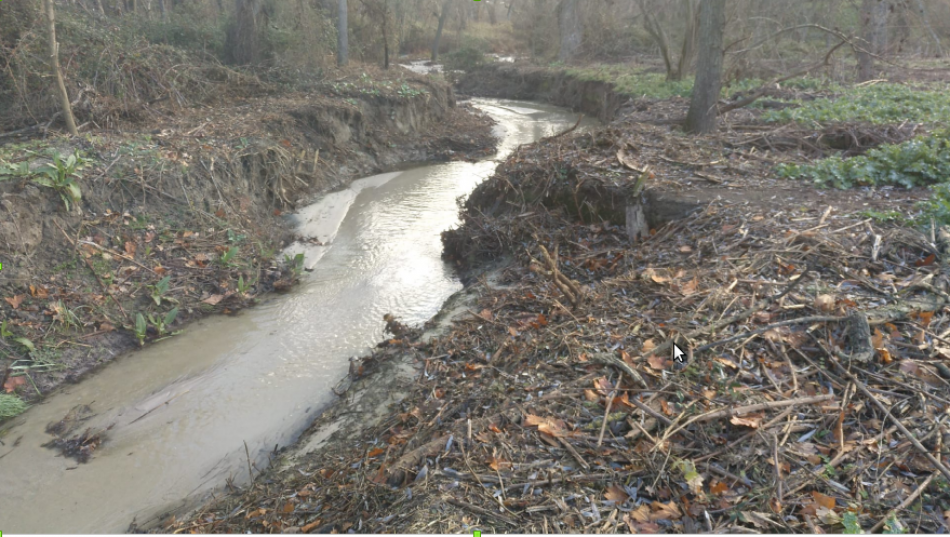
{"points": [[640, 514], [927, 261], [822, 500], [616, 494], [603, 386], [690, 288], [512, 332], [130, 248], [747, 421], [486, 314], [498, 464], [628, 162], [310, 526], [759, 520], [13, 383], [648, 346], [665, 511], [15, 301], [658, 362], [718, 487], [288, 508], [39, 292], [375, 452], [824, 303], [213, 300]]}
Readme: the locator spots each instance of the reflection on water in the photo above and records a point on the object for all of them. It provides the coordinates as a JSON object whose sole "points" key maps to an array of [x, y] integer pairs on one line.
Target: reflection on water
{"points": [[181, 410]]}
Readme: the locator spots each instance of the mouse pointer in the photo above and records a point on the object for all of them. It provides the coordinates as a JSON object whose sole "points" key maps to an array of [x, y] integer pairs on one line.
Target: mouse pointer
{"points": [[678, 354]]}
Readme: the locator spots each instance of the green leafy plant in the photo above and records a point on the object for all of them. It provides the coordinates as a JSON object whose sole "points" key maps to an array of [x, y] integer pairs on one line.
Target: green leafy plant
{"points": [[161, 322], [877, 103], [892, 526], [62, 175], [295, 263], [464, 59], [141, 328], [11, 406], [851, 526], [228, 256], [159, 290], [242, 286], [918, 162]]}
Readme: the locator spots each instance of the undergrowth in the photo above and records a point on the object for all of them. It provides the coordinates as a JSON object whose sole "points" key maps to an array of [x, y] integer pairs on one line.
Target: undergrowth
{"points": [[922, 161], [11, 406], [877, 104]]}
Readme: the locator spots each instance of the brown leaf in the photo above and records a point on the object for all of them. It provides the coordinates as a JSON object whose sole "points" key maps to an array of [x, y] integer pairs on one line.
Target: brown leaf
{"points": [[591, 395], [494, 428], [375, 452], [603, 386], [616, 494], [15, 301], [665, 511], [512, 332], [824, 303], [640, 514], [926, 262], [648, 346], [690, 287], [658, 362], [288, 508], [285, 143], [213, 300], [312, 525], [718, 487], [486, 314], [822, 500], [39, 292], [747, 421], [13, 383], [129, 248], [498, 464], [220, 213], [533, 421]]}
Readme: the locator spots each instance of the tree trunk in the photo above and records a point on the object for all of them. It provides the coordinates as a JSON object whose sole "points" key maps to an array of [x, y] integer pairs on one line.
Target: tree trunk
{"points": [[492, 13], [57, 72], [385, 15], [244, 41], [702, 116], [874, 14], [342, 35], [163, 10], [570, 25], [446, 7], [102, 10], [688, 52]]}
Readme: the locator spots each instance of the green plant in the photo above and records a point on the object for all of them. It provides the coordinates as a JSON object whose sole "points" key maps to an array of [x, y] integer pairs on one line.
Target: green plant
{"points": [[228, 256], [159, 290], [918, 162], [244, 287], [11, 406], [877, 103], [161, 322], [851, 526], [893, 526], [295, 263], [61, 176], [141, 328]]}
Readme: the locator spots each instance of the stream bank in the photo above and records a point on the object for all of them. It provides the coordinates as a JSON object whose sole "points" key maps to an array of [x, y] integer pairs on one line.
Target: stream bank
{"points": [[184, 218], [552, 402]]}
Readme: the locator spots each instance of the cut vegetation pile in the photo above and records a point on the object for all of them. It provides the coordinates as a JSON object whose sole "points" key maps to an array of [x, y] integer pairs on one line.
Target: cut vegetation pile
{"points": [[813, 395]]}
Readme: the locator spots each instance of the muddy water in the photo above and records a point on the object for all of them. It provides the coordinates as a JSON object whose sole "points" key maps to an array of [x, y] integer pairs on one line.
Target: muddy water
{"points": [[182, 410]]}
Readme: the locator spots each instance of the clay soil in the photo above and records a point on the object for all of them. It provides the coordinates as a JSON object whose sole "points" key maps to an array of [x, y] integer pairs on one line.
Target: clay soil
{"points": [[810, 398]]}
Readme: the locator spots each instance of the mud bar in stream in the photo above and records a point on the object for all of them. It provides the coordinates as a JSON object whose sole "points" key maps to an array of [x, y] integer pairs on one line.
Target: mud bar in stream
{"points": [[209, 407]]}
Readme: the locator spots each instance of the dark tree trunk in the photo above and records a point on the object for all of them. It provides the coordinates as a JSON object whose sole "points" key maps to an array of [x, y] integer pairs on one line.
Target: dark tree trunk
{"points": [[342, 38], [571, 30], [703, 107], [446, 7], [493, 13], [385, 16]]}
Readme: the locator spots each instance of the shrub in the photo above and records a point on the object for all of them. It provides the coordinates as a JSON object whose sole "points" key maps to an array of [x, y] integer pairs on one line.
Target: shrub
{"points": [[878, 104], [464, 59], [11, 406]]}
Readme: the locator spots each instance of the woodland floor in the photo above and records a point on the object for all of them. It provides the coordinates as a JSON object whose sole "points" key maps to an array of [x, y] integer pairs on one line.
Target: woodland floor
{"points": [[813, 398]]}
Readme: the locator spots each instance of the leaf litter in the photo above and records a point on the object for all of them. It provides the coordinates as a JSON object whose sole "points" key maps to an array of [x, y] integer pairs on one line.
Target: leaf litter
{"points": [[814, 397]]}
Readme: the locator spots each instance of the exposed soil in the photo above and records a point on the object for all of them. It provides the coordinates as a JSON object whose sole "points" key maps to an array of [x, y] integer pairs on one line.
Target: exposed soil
{"points": [[197, 199], [813, 383]]}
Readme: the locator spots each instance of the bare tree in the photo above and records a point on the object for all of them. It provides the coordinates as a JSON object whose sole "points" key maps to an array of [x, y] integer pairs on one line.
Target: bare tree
{"points": [[703, 107], [675, 70], [446, 8], [874, 15], [342, 35], [57, 72], [493, 13], [571, 29]]}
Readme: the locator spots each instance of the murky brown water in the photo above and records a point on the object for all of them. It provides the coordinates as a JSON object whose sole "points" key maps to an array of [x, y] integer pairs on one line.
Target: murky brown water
{"points": [[183, 409]]}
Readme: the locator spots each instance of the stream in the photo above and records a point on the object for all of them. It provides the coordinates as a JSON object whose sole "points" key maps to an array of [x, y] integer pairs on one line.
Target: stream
{"points": [[183, 411]]}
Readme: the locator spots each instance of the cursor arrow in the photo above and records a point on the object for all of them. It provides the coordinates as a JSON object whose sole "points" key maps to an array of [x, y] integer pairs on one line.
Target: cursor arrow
{"points": [[678, 354]]}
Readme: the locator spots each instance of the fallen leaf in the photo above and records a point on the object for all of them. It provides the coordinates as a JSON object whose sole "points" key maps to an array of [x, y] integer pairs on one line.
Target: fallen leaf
{"points": [[13, 383], [288, 508], [129, 248], [640, 514], [665, 511], [512, 331], [220, 213], [690, 288], [759, 520], [310, 526], [822, 500], [498, 464], [494, 428], [591, 395], [375, 452], [927, 261], [213, 300], [685, 249], [648, 346], [285, 143], [824, 303], [658, 362], [39, 292], [603, 386], [15, 301], [616, 494], [718, 487], [747, 421], [486, 314]]}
